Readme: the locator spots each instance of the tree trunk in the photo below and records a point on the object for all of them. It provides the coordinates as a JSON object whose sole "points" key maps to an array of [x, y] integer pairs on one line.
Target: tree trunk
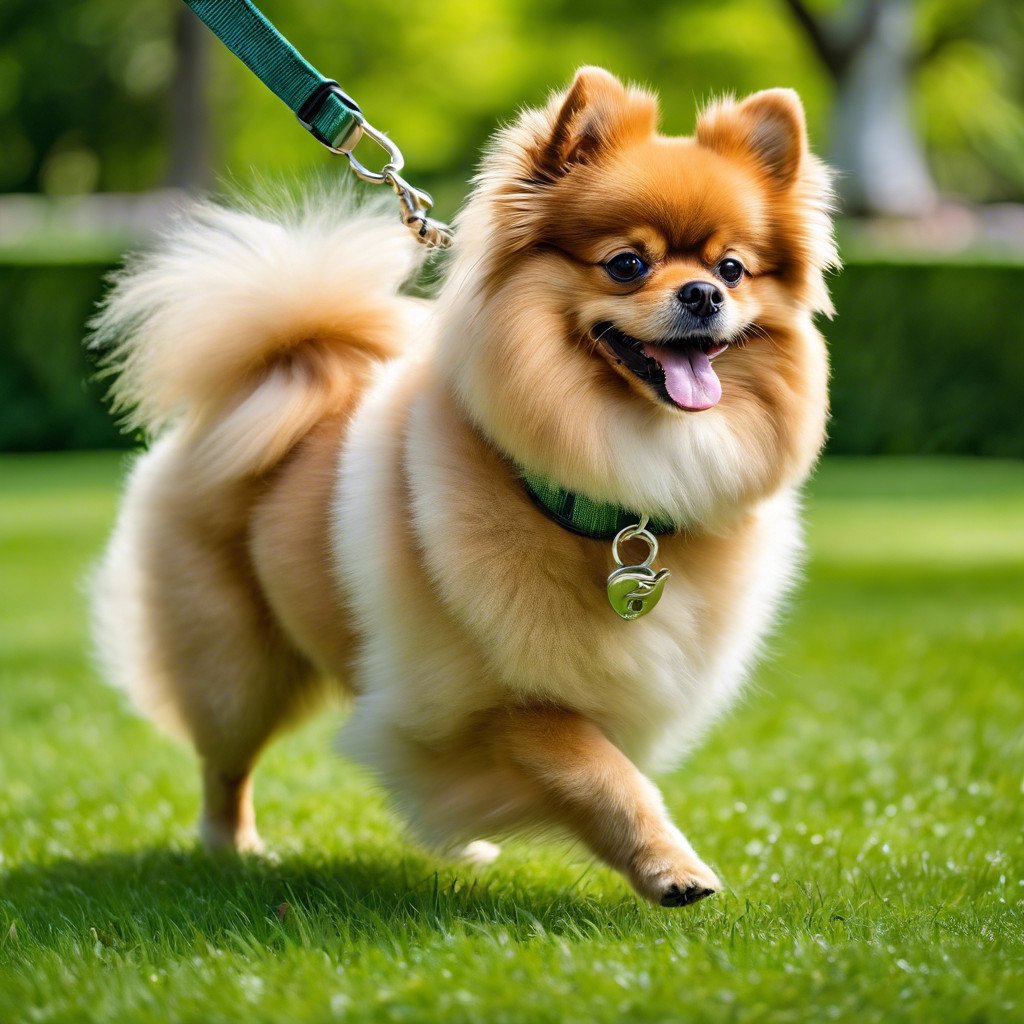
{"points": [[874, 143], [189, 163]]}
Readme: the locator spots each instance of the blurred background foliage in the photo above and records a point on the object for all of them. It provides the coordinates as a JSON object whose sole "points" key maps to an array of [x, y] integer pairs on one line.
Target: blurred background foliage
{"points": [[109, 110], [86, 86]]}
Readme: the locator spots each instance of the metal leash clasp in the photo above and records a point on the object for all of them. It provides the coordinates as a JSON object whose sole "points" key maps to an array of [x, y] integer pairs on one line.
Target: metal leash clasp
{"points": [[634, 590], [415, 206], [414, 203]]}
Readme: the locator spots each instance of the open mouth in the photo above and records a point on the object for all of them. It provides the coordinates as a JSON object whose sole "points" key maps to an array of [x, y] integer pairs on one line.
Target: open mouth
{"points": [[678, 370]]}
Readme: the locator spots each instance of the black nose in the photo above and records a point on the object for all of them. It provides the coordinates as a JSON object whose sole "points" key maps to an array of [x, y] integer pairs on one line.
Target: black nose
{"points": [[701, 298]]}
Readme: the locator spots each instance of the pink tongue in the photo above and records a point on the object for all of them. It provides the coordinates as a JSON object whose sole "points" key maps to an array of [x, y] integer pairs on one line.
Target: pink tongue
{"points": [[690, 379]]}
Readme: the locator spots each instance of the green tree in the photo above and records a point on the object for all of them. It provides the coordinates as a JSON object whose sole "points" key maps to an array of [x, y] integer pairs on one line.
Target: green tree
{"points": [[878, 55], [102, 94], [83, 94]]}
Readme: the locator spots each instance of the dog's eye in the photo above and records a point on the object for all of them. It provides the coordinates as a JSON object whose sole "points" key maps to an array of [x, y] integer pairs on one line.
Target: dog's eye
{"points": [[626, 266], [730, 271]]}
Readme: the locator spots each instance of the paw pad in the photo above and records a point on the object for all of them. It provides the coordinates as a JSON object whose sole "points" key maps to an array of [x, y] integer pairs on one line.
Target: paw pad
{"points": [[675, 896]]}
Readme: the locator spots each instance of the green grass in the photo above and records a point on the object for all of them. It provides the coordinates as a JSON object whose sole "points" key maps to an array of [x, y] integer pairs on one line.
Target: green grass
{"points": [[863, 804]]}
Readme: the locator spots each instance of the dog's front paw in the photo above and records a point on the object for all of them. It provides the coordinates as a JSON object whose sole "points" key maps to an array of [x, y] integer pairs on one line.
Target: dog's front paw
{"points": [[674, 896], [674, 881]]}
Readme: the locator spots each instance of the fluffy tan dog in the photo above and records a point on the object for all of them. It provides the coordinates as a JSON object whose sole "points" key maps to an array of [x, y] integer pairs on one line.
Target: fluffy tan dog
{"points": [[335, 499]]}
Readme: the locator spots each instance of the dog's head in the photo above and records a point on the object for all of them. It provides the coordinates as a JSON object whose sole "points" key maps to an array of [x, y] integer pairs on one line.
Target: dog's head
{"points": [[631, 313]]}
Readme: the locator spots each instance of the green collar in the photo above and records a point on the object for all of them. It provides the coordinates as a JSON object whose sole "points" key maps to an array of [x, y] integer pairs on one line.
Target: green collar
{"points": [[583, 515]]}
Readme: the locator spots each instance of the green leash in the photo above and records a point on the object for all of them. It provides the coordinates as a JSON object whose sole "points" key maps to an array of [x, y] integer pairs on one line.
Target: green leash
{"points": [[322, 107]]}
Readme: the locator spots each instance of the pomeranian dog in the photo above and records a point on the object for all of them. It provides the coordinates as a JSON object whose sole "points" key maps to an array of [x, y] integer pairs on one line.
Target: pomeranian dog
{"points": [[407, 502]]}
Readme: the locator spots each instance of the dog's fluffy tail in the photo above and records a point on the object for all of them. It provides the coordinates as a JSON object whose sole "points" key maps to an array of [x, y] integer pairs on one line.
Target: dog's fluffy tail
{"points": [[245, 327]]}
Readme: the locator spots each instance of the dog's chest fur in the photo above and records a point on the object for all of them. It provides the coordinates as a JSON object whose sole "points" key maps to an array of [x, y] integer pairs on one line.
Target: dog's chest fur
{"points": [[467, 597]]}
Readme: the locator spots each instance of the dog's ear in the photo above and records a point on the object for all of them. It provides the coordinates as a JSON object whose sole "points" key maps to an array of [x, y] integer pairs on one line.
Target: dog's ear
{"points": [[768, 126], [596, 114]]}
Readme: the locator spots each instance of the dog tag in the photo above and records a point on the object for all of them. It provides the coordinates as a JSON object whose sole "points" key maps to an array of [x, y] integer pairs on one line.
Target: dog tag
{"points": [[634, 590]]}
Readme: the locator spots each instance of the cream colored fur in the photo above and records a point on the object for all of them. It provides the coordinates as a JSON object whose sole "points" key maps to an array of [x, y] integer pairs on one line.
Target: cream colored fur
{"points": [[197, 333], [332, 502]]}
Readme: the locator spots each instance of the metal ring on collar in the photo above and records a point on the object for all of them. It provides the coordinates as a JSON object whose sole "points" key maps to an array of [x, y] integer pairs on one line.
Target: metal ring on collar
{"points": [[637, 532]]}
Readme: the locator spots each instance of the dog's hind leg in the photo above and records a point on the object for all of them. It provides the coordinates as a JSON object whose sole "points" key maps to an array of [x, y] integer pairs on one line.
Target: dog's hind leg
{"points": [[239, 684], [233, 342], [238, 680], [228, 819], [480, 853], [183, 626]]}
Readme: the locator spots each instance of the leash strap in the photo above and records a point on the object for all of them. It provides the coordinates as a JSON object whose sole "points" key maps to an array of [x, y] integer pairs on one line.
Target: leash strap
{"points": [[325, 111], [322, 107]]}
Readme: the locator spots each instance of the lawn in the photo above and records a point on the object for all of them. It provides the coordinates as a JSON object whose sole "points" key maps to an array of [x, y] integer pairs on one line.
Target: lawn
{"points": [[863, 805]]}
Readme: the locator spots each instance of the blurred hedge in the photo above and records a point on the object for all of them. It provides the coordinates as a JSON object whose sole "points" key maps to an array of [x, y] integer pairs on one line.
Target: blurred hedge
{"points": [[48, 397], [927, 357]]}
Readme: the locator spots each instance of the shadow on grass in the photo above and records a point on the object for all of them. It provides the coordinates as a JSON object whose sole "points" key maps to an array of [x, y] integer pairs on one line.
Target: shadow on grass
{"points": [[189, 900]]}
